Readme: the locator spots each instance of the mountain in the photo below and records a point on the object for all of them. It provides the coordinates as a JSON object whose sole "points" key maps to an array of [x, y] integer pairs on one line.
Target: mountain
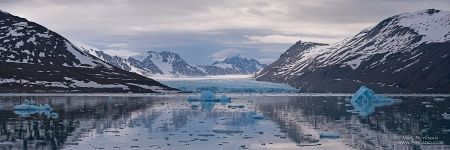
{"points": [[405, 53], [233, 65], [171, 64], [167, 63], [36, 59]]}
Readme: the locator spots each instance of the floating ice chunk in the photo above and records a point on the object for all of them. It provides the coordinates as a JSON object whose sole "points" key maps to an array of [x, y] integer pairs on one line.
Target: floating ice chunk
{"points": [[429, 106], [446, 116], [29, 112], [30, 108], [439, 99], [364, 101], [257, 116], [30, 105], [208, 96], [236, 106], [227, 131], [329, 134]]}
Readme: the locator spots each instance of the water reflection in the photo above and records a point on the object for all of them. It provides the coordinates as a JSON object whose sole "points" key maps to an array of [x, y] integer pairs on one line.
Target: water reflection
{"points": [[247, 122]]}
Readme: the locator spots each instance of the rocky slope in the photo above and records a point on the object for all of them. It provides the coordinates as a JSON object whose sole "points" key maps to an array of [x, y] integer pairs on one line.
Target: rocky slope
{"points": [[36, 59], [405, 53]]}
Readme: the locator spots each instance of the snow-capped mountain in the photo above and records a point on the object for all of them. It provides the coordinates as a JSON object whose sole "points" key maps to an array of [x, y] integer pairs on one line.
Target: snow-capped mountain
{"points": [[408, 52], [170, 63], [36, 59], [167, 63], [233, 65]]}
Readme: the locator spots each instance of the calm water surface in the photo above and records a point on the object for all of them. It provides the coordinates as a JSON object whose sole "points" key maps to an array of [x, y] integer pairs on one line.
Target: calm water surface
{"points": [[247, 122]]}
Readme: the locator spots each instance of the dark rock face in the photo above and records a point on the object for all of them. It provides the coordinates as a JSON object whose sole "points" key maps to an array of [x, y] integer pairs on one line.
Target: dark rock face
{"points": [[35, 59], [406, 53]]}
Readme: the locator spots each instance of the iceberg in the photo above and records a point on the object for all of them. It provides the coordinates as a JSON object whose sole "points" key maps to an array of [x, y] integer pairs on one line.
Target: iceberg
{"points": [[257, 116], [27, 113], [446, 116], [439, 99], [329, 134], [30, 105], [208, 96], [364, 101]]}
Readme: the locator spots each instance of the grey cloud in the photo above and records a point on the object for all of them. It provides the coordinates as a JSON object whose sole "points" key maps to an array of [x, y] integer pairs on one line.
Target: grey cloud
{"points": [[200, 28]]}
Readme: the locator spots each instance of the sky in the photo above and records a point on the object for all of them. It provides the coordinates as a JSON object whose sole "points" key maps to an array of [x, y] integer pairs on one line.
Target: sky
{"points": [[203, 31]]}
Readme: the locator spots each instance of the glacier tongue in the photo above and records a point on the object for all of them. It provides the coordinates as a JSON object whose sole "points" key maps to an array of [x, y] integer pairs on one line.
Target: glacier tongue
{"points": [[227, 85]]}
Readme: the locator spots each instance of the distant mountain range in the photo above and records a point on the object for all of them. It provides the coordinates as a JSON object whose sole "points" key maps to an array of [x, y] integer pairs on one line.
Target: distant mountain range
{"points": [[36, 59], [167, 63], [405, 53]]}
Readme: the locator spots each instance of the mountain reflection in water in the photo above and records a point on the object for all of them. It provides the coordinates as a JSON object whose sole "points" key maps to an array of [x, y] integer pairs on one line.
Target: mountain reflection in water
{"points": [[288, 122]]}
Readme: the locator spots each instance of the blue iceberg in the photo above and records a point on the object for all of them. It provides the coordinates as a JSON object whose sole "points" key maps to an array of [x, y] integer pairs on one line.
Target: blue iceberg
{"points": [[27, 113], [30, 107], [329, 134], [364, 101], [208, 96]]}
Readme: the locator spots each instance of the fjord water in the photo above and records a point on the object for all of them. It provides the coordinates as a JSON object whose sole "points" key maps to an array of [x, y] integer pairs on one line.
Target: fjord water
{"points": [[171, 122]]}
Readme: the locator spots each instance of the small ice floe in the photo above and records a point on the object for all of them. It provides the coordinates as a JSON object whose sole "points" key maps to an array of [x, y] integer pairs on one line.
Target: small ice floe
{"points": [[257, 116], [30, 108], [30, 105], [429, 106], [208, 96], [364, 101], [236, 106], [446, 116], [329, 134], [439, 99], [227, 131], [27, 113]]}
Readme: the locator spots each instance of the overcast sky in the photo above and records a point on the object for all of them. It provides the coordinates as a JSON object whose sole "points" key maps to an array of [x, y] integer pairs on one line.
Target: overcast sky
{"points": [[206, 30]]}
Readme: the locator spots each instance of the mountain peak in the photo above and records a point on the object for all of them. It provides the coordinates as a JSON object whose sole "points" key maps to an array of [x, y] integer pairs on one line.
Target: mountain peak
{"points": [[384, 56]]}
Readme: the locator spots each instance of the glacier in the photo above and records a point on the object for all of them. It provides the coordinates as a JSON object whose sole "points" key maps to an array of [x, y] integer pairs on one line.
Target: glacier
{"points": [[364, 101], [228, 85]]}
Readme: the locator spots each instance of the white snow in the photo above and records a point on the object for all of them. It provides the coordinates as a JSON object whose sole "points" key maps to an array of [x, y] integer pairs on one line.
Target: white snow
{"points": [[223, 65], [165, 66], [82, 57], [78, 83], [153, 88], [352, 51], [19, 44]]}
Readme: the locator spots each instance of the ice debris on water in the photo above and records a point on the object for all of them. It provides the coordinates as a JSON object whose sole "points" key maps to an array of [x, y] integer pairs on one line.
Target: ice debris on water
{"points": [[30, 108], [257, 116], [31, 105], [27, 113], [208, 96], [329, 134], [446, 116], [439, 99], [364, 101], [227, 131]]}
